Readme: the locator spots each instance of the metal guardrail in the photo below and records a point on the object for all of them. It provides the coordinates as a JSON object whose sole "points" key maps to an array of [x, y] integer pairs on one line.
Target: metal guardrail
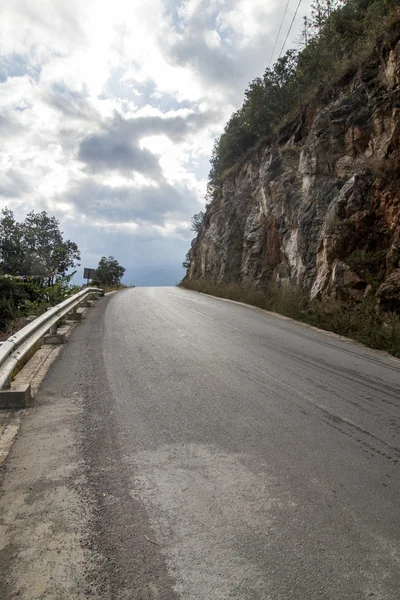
{"points": [[16, 347]]}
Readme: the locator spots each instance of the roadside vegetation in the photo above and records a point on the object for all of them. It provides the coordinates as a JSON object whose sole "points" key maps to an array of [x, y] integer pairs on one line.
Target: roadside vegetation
{"points": [[109, 274], [337, 36], [335, 39], [37, 268], [361, 321]]}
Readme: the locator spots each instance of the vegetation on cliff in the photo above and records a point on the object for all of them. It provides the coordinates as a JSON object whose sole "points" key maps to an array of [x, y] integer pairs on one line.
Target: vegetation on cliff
{"points": [[337, 36], [304, 218]]}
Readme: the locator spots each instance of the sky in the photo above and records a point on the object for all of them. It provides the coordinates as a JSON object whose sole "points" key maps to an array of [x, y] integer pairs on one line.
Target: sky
{"points": [[109, 110]]}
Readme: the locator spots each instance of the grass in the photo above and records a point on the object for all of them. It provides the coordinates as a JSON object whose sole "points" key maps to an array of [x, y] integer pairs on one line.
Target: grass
{"points": [[360, 321]]}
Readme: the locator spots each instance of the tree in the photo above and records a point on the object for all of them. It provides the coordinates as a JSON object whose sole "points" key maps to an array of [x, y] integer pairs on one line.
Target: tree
{"points": [[267, 101], [48, 254], [197, 221], [35, 246], [321, 11], [12, 247], [188, 260], [109, 272], [306, 34], [333, 36]]}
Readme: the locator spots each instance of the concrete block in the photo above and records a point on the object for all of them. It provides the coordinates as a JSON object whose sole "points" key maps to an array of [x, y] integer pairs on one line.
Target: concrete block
{"points": [[74, 316], [54, 338], [19, 396], [77, 315]]}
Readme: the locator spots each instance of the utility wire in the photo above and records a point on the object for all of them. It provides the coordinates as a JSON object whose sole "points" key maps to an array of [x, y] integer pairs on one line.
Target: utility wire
{"points": [[280, 29], [290, 29]]}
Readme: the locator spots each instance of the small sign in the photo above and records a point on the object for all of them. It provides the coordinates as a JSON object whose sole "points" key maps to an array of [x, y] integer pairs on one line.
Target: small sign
{"points": [[89, 274]]}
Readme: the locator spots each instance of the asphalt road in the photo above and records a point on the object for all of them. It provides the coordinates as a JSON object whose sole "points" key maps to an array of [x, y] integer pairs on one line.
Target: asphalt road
{"points": [[231, 454]]}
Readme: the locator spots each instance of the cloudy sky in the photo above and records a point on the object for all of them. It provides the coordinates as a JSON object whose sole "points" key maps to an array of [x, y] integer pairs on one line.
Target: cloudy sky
{"points": [[109, 110]]}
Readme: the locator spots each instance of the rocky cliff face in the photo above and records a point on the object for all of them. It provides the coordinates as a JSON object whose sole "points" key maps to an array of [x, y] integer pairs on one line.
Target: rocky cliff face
{"points": [[321, 206]]}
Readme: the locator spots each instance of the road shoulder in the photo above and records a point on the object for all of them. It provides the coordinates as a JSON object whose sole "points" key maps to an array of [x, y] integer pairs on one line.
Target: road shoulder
{"points": [[45, 508], [318, 330]]}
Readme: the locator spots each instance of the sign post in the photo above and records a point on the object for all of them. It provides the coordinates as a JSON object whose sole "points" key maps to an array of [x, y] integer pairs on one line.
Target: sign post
{"points": [[89, 274]]}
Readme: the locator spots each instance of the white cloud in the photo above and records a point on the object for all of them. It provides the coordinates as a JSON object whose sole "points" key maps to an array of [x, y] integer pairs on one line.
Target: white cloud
{"points": [[108, 112]]}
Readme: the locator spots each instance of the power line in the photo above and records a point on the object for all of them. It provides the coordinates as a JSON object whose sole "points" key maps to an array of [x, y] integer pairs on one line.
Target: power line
{"points": [[290, 29], [280, 29]]}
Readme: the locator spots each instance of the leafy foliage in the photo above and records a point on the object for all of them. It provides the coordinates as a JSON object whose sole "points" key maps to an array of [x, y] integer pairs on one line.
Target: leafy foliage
{"points": [[187, 262], [197, 221], [12, 250], [22, 298], [60, 290], [337, 34], [49, 254], [13, 296], [109, 272], [35, 246]]}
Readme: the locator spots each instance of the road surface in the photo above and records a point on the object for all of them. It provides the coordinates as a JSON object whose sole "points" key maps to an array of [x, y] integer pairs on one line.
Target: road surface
{"points": [[218, 453]]}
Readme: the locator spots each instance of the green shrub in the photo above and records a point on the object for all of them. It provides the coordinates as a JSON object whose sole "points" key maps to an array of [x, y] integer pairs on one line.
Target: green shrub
{"points": [[337, 37], [368, 264], [22, 298], [12, 298]]}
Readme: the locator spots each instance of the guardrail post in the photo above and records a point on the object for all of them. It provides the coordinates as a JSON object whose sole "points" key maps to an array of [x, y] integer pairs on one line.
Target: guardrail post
{"points": [[74, 315], [53, 337]]}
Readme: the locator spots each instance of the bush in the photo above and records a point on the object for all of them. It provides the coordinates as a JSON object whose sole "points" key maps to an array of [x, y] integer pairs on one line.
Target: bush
{"points": [[339, 35], [59, 292], [22, 298], [197, 221], [13, 296], [368, 264]]}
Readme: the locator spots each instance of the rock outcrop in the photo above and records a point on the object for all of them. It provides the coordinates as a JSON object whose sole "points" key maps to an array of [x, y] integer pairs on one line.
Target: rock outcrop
{"points": [[320, 207]]}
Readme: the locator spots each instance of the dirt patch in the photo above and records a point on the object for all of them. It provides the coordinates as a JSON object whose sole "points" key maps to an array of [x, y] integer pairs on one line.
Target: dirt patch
{"points": [[44, 549]]}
